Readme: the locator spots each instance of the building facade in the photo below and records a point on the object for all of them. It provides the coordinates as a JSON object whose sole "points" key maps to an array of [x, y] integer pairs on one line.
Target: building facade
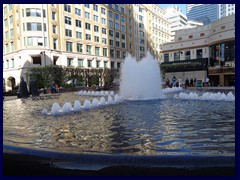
{"points": [[177, 18], [79, 35], [204, 51]]}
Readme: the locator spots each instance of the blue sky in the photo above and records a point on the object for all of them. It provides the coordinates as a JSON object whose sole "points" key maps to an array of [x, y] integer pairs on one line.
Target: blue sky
{"points": [[181, 6]]}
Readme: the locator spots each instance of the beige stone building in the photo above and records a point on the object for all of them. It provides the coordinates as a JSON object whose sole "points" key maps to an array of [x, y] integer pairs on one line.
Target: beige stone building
{"points": [[80, 35], [203, 51]]}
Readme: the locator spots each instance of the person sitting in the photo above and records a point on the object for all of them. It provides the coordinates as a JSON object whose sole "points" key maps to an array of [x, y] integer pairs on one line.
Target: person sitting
{"points": [[53, 89]]}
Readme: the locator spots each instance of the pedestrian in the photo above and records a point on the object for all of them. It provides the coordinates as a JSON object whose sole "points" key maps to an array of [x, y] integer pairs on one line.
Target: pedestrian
{"points": [[53, 89], [167, 83], [195, 82], [186, 83], [207, 81], [191, 82], [174, 81]]}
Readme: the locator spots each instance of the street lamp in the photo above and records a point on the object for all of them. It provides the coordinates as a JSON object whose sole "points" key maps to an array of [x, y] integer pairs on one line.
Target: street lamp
{"points": [[179, 53], [43, 53]]}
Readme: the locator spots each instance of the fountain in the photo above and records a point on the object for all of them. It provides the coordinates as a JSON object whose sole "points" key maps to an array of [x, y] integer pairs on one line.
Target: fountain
{"points": [[140, 79], [142, 125]]}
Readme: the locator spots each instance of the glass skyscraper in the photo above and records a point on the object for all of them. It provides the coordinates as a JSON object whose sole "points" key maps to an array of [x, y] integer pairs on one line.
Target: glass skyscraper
{"points": [[203, 12], [209, 12]]}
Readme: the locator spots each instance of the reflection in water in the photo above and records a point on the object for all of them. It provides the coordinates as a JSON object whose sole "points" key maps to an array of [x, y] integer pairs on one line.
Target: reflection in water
{"points": [[155, 127]]}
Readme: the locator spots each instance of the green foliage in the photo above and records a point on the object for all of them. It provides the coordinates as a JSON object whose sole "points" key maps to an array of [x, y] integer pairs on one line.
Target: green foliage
{"points": [[44, 76]]}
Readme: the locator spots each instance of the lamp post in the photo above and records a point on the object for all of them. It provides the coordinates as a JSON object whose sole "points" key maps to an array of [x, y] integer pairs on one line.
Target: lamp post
{"points": [[180, 52], [43, 53]]}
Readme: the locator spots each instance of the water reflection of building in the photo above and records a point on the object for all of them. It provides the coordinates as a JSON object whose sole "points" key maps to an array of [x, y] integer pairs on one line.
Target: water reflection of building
{"points": [[203, 51]]}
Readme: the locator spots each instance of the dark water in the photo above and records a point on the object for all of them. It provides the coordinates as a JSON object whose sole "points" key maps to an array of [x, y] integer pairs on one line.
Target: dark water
{"points": [[155, 127]]}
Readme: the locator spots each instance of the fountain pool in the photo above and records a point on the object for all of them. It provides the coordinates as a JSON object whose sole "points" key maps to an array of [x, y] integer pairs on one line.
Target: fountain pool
{"points": [[175, 129]]}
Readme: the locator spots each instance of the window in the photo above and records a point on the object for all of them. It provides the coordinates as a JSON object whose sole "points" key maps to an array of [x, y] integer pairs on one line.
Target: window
{"points": [[78, 23], [78, 35], [89, 63], [70, 61], [53, 16], [123, 28], [187, 55], [80, 62], [95, 7], [103, 10], [110, 14], [201, 34], [166, 57], [68, 32], [97, 51], [10, 20], [78, 11], [98, 64], [141, 41], [105, 64], [33, 12], [5, 22], [54, 43], [95, 18], [54, 29], [123, 36], [112, 64], [88, 37], [117, 34], [69, 46], [177, 56], [122, 19], [12, 46], [104, 40], [117, 43], [141, 25], [110, 23], [68, 20], [123, 54], [116, 16], [5, 9], [199, 53], [104, 31], [88, 26], [118, 64], [79, 47], [222, 27], [110, 5], [96, 38], [6, 34], [140, 18], [87, 15], [116, 7], [110, 32], [67, 8], [179, 38], [111, 42], [142, 48], [12, 64], [123, 45], [87, 5], [103, 21], [96, 28], [190, 37], [122, 10], [116, 25], [11, 32], [35, 27], [105, 52], [111, 53], [118, 54]]}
